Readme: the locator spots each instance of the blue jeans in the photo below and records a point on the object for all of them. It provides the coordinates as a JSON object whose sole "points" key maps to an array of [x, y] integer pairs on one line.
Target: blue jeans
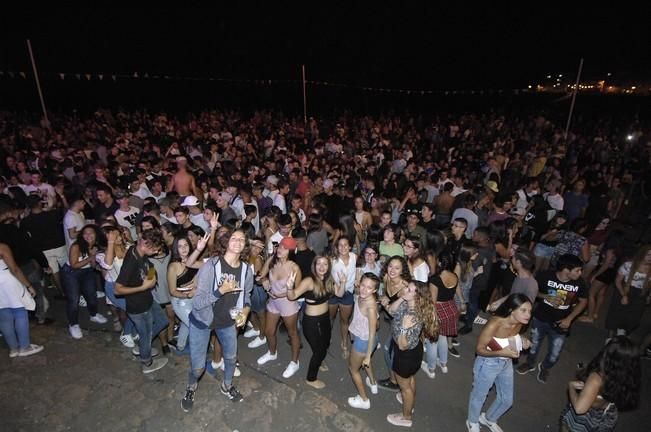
{"points": [[120, 303], [199, 339], [148, 324], [437, 352], [182, 309], [540, 329], [473, 306], [76, 282], [486, 372], [14, 326], [387, 350]]}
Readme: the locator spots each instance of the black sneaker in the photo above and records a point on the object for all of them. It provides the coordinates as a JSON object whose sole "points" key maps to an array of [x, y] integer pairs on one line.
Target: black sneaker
{"points": [[465, 330], [525, 368], [388, 385], [543, 374], [188, 400], [453, 352], [455, 342], [231, 393]]}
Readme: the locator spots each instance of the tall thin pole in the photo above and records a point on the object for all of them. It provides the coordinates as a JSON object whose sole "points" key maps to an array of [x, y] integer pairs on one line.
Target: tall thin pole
{"points": [[38, 84], [576, 89], [304, 98]]}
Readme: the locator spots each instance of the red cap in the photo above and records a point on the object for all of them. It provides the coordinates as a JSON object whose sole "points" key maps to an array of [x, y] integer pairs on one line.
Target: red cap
{"points": [[288, 243]]}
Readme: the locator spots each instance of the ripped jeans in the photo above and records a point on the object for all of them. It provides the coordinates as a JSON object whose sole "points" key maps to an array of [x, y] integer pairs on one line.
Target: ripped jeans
{"points": [[540, 329]]}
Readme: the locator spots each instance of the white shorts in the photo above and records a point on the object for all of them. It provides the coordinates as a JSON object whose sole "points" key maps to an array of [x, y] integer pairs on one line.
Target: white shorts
{"points": [[56, 258]]}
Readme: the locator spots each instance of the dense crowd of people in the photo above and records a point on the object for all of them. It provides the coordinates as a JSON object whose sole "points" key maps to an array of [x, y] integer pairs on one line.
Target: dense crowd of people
{"points": [[216, 227]]}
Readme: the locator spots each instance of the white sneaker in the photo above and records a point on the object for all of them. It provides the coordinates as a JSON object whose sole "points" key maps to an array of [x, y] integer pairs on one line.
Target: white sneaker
{"points": [[221, 366], [492, 426], [100, 294], [431, 373], [251, 333], [480, 321], [443, 367], [75, 331], [291, 369], [127, 340], [472, 427], [267, 357], [31, 349], [257, 342], [358, 402], [99, 318], [373, 387], [82, 301]]}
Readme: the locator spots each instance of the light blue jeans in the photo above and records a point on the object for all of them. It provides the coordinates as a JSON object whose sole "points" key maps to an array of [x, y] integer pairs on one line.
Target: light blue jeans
{"points": [[486, 372], [182, 309], [437, 352], [199, 339], [120, 303], [14, 326]]}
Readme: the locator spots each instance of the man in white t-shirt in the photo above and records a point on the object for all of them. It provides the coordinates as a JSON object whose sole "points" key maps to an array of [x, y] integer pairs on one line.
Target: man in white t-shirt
{"points": [[195, 212], [126, 215], [43, 190], [74, 220]]}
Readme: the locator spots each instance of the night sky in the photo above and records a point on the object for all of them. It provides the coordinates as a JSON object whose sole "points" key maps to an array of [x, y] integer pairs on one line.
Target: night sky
{"points": [[483, 46]]}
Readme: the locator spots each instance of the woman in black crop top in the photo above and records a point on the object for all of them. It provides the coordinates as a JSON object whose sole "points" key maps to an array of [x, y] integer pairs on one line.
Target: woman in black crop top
{"points": [[317, 289], [181, 274], [443, 285]]}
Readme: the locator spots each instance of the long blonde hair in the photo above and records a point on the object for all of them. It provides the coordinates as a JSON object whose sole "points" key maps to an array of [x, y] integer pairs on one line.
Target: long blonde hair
{"points": [[426, 310], [638, 259]]}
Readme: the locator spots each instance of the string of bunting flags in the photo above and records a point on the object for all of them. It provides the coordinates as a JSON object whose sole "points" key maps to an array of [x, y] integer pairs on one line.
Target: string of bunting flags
{"points": [[267, 82]]}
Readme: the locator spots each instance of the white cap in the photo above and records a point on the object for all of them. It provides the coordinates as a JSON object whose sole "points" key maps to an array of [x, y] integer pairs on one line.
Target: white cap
{"points": [[190, 201]]}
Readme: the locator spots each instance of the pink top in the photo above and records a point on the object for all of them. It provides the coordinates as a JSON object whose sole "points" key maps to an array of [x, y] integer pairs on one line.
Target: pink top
{"points": [[359, 324]]}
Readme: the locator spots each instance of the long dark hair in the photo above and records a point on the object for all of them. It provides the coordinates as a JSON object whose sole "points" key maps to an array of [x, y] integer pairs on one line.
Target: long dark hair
{"points": [[176, 257], [511, 303], [100, 239], [618, 364]]}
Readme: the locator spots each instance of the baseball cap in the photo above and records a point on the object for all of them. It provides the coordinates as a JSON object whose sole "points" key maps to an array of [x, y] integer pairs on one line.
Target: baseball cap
{"points": [[492, 185], [190, 201], [288, 243]]}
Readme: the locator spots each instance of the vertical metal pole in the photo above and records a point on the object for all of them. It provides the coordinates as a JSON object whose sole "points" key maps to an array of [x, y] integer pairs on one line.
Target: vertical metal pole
{"points": [[304, 98], [576, 89], [38, 84]]}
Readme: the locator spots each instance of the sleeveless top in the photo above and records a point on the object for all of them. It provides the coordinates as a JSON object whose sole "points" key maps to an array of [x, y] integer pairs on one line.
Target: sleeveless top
{"points": [[358, 326], [313, 300], [444, 293], [278, 287], [186, 276], [595, 420], [11, 289]]}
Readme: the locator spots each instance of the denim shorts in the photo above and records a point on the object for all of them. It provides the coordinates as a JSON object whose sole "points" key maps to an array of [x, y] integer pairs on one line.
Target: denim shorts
{"points": [[346, 300], [361, 345], [543, 251], [258, 299]]}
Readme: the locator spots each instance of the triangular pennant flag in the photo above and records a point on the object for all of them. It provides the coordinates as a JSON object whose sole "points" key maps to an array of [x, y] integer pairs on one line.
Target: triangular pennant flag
{"points": [[135, 74], [22, 74], [113, 77], [88, 77], [101, 76], [62, 76]]}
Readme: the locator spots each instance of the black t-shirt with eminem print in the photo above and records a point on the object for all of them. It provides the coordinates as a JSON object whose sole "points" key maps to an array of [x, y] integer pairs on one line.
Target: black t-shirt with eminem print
{"points": [[565, 295], [132, 274], [221, 308]]}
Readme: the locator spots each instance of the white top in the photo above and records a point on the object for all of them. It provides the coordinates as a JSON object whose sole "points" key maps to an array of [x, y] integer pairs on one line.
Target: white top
{"points": [[198, 220], [45, 191], [275, 237], [72, 220], [10, 288], [350, 270], [127, 219], [112, 271], [421, 272], [638, 278]]}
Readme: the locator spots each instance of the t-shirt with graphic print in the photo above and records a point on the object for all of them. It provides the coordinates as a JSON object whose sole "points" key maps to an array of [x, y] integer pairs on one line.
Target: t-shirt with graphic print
{"points": [[564, 296], [221, 308]]}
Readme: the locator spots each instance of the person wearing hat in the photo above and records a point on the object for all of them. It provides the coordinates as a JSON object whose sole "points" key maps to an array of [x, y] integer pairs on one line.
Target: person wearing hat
{"points": [[492, 186], [278, 275]]}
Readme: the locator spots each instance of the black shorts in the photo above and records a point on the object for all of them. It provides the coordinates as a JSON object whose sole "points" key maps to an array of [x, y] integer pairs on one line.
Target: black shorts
{"points": [[407, 363]]}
